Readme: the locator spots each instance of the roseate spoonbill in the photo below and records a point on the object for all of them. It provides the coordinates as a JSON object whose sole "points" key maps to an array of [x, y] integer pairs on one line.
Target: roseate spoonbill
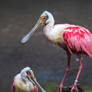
{"points": [[73, 39], [25, 81]]}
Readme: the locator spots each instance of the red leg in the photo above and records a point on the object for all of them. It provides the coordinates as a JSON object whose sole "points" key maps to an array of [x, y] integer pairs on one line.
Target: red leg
{"points": [[76, 80], [67, 70]]}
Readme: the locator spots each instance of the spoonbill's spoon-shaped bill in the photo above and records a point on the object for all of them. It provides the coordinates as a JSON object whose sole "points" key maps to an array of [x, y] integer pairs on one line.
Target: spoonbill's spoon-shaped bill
{"points": [[43, 90], [34, 81], [35, 28]]}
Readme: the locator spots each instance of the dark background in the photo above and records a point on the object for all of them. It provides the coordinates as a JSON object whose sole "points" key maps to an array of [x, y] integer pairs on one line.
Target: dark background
{"points": [[48, 61]]}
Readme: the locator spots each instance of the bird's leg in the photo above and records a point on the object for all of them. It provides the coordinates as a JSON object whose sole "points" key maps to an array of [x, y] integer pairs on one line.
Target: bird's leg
{"points": [[67, 70], [74, 87]]}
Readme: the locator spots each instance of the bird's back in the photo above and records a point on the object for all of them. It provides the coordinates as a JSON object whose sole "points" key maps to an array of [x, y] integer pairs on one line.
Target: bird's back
{"points": [[78, 39]]}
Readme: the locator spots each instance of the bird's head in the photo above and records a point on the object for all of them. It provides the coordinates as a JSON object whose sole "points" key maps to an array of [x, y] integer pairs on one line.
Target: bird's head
{"points": [[28, 74], [45, 18]]}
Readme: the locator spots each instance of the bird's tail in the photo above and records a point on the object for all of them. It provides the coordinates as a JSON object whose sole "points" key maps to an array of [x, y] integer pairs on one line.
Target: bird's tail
{"points": [[87, 45]]}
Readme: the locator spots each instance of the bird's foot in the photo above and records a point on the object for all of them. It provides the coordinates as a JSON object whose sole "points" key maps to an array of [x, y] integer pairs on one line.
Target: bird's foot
{"points": [[60, 88], [74, 88], [64, 89]]}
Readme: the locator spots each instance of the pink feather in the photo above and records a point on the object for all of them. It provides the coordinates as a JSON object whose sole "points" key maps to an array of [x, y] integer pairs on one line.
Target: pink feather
{"points": [[78, 39]]}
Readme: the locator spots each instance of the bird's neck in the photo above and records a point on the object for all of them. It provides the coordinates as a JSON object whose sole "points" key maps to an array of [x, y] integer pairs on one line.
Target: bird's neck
{"points": [[47, 30], [24, 80], [51, 21], [50, 24]]}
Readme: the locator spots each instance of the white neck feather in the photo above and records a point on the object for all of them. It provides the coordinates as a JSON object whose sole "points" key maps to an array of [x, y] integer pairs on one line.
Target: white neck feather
{"points": [[50, 20]]}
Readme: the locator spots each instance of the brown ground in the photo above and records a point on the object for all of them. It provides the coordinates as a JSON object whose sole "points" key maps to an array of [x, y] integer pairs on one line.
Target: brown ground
{"points": [[47, 60]]}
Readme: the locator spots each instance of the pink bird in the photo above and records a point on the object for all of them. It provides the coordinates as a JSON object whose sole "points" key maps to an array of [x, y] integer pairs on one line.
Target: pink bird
{"points": [[73, 39], [25, 81]]}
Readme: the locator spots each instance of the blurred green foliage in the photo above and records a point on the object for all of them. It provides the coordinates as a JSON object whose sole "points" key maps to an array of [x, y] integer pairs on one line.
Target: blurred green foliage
{"points": [[52, 86]]}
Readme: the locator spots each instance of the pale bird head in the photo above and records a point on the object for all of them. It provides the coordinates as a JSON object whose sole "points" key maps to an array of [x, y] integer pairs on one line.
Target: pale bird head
{"points": [[28, 74], [45, 18]]}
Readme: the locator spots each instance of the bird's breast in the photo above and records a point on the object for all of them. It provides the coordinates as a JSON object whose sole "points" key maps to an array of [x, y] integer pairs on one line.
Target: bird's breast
{"points": [[55, 37], [20, 86]]}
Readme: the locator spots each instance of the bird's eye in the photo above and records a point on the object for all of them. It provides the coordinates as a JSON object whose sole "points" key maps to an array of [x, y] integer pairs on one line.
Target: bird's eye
{"points": [[29, 73], [43, 18]]}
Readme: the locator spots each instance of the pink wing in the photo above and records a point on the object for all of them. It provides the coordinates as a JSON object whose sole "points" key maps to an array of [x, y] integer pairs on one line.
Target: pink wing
{"points": [[13, 87], [36, 88], [78, 39]]}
